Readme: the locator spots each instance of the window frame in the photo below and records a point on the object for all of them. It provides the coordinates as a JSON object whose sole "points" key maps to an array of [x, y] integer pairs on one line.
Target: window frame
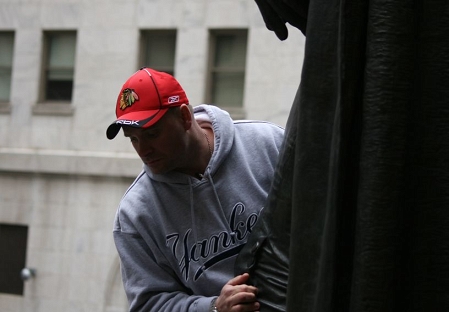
{"points": [[5, 105], [144, 38], [49, 106], [239, 111], [10, 267]]}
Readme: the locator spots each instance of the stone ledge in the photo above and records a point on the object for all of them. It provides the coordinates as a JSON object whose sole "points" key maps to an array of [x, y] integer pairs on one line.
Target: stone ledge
{"points": [[54, 109], [5, 108], [70, 162]]}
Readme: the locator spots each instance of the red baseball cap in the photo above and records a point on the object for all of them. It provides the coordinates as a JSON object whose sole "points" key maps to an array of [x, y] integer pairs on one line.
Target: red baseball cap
{"points": [[145, 98]]}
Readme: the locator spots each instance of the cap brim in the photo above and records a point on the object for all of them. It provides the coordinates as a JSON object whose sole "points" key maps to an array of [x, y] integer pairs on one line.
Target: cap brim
{"points": [[141, 119], [112, 131]]}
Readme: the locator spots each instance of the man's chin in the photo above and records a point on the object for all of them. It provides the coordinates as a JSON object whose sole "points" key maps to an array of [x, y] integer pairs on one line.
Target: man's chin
{"points": [[160, 169], [157, 170]]}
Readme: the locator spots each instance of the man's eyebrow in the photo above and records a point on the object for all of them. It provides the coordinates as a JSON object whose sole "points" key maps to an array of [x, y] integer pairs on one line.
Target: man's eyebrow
{"points": [[152, 128]]}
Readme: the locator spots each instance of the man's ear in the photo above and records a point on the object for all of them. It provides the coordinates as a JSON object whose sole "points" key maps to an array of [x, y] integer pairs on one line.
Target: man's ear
{"points": [[186, 116]]}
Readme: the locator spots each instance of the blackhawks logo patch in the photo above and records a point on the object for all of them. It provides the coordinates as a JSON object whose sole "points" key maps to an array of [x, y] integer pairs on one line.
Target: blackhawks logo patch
{"points": [[128, 98]]}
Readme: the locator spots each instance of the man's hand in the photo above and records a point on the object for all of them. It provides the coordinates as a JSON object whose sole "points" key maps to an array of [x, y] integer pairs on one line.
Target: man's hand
{"points": [[236, 296]]}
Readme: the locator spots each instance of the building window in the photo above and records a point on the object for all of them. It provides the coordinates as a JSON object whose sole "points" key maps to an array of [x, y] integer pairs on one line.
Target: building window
{"points": [[6, 54], [13, 244], [59, 65], [226, 69], [158, 48]]}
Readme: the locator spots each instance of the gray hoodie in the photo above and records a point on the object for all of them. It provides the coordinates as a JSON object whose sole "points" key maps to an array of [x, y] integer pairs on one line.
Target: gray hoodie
{"points": [[178, 236]]}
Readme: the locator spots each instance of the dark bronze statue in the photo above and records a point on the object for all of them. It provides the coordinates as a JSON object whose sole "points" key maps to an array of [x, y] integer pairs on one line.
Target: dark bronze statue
{"points": [[358, 216]]}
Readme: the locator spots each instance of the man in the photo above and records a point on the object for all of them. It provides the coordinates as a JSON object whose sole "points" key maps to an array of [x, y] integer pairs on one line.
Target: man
{"points": [[205, 179]]}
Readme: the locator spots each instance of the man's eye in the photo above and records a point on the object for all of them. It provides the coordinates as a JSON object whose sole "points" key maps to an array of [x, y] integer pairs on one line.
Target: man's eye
{"points": [[133, 140], [151, 135]]}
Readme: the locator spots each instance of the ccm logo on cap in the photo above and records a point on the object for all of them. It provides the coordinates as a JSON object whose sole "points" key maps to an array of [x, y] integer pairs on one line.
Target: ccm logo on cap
{"points": [[173, 99], [128, 122]]}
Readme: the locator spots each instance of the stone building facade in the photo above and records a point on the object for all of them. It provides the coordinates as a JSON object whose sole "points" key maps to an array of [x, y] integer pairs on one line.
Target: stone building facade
{"points": [[60, 178]]}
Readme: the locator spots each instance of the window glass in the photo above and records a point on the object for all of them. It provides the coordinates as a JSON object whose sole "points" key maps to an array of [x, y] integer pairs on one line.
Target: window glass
{"points": [[230, 51], [13, 244], [60, 66], [159, 49], [226, 77], [6, 55], [228, 89]]}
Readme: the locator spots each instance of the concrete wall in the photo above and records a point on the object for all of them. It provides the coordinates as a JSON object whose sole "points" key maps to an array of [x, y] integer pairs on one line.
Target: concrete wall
{"points": [[60, 175], [69, 240]]}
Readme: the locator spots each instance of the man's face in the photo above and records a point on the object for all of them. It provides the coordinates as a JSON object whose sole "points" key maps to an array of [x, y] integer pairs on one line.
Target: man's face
{"points": [[162, 147]]}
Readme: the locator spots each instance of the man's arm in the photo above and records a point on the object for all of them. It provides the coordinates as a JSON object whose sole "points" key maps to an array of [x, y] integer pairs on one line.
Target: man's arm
{"points": [[150, 287]]}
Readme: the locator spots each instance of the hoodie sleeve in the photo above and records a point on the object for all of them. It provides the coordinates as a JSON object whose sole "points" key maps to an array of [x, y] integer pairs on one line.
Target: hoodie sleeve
{"points": [[149, 285]]}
